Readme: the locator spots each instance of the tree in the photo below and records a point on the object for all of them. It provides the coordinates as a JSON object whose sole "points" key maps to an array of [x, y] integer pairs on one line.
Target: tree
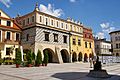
{"points": [[45, 61], [39, 58], [29, 58], [18, 58], [33, 56]]}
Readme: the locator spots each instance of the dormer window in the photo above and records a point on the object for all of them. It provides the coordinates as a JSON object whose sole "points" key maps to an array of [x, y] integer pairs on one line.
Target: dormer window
{"points": [[8, 23]]}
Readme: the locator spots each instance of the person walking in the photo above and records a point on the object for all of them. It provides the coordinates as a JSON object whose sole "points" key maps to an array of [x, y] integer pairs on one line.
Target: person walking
{"points": [[90, 62]]}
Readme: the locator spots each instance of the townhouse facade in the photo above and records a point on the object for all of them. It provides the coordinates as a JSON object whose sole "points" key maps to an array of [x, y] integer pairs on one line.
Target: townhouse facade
{"points": [[88, 44], [115, 42], [102, 49], [64, 39], [9, 35]]}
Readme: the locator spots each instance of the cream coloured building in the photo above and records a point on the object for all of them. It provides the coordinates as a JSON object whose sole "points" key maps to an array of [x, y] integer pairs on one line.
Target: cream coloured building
{"points": [[9, 35]]}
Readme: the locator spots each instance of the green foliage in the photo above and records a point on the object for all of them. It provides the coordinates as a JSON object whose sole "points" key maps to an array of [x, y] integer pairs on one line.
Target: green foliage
{"points": [[33, 56], [18, 57], [39, 58], [29, 57], [45, 57]]}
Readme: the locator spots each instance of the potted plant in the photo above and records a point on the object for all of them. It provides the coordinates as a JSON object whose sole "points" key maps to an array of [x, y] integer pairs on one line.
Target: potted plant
{"points": [[29, 58], [38, 61], [18, 58], [45, 60]]}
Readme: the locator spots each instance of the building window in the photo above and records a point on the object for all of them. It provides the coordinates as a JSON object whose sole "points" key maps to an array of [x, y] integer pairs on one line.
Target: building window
{"points": [[0, 36], [71, 27], [8, 23], [40, 18], [8, 36], [57, 24], [97, 46], [117, 46], [62, 25], [7, 51], [46, 21], [0, 21], [47, 36], [27, 37], [79, 42], [55, 37], [74, 41], [64, 39], [23, 22], [66, 26], [0, 13], [32, 18], [116, 38], [90, 45], [28, 21], [85, 44], [17, 36], [51, 22]]}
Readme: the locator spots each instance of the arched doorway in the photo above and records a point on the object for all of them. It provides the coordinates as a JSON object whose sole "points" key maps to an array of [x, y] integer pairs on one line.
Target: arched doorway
{"points": [[90, 55], [85, 57], [74, 57], [50, 55], [65, 55], [80, 56], [117, 54]]}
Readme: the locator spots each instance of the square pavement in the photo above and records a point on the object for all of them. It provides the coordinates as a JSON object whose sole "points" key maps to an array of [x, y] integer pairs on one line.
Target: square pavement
{"points": [[66, 71]]}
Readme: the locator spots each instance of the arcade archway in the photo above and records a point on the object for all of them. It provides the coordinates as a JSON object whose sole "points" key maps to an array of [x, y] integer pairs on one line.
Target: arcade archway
{"points": [[80, 56], [51, 55], [65, 55], [74, 57], [85, 57]]}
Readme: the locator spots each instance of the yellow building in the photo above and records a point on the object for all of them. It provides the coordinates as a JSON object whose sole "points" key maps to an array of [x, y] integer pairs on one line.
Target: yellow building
{"points": [[76, 40], [88, 42]]}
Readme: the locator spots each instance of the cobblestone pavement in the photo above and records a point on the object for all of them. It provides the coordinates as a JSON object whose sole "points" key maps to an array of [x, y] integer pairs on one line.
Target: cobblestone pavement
{"points": [[67, 71]]}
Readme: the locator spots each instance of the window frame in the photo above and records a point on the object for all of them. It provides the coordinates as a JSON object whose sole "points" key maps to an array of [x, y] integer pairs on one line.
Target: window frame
{"points": [[46, 36], [74, 41], [64, 39], [8, 23], [55, 35]]}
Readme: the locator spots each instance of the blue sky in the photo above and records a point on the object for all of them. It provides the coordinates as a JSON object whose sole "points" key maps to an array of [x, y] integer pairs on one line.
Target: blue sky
{"points": [[103, 16]]}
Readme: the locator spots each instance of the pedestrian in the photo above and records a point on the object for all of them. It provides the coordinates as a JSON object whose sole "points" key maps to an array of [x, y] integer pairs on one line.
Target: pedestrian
{"points": [[90, 62]]}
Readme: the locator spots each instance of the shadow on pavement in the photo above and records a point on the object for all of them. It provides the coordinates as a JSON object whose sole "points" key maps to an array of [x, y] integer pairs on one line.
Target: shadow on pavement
{"points": [[81, 76]]}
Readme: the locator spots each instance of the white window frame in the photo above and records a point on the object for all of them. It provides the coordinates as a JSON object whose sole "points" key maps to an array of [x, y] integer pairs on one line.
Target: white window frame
{"points": [[10, 35]]}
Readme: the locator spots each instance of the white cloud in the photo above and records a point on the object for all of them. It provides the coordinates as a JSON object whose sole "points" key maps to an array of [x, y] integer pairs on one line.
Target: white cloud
{"points": [[72, 1], [51, 10], [100, 35], [7, 3], [106, 29]]}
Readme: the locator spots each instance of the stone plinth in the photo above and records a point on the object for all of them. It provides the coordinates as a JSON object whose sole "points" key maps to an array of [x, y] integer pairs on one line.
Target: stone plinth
{"points": [[98, 74]]}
